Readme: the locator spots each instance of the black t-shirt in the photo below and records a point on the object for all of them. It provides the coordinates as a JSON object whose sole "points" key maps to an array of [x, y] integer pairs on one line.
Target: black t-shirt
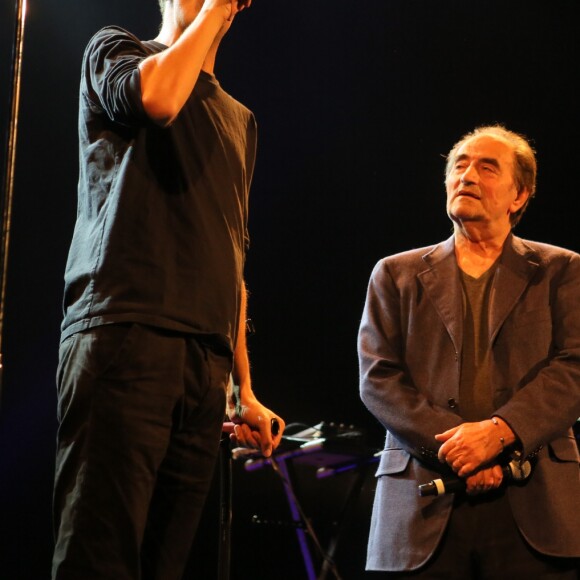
{"points": [[161, 229]]}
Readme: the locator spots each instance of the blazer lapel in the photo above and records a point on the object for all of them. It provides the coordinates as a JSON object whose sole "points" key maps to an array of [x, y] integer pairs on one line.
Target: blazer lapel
{"points": [[441, 284], [518, 264]]}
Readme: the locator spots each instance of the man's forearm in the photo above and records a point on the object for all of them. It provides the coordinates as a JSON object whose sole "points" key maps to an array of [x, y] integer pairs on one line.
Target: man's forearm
{"points": [[168, 78], [241, 391]]}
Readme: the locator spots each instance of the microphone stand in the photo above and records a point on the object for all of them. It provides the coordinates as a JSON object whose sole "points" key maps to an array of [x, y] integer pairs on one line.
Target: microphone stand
{"points": [[7, 192]]}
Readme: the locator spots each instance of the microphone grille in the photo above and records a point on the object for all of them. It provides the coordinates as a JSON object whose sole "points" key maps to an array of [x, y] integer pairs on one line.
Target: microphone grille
{"points": [[520, 470]]}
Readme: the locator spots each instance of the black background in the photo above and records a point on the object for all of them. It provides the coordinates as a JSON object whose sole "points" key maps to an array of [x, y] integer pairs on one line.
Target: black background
{"points": [[356, 102]]}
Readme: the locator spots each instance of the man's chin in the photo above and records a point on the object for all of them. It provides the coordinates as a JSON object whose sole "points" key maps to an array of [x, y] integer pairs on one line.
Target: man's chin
{"points": [[463, 216]]}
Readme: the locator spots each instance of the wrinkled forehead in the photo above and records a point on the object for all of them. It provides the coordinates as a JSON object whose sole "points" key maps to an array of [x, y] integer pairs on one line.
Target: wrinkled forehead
{"points": [[482, 147]]}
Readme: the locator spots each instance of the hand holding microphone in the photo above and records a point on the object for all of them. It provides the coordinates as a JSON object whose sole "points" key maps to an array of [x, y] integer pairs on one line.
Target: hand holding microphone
{"points": [[515, 471]]}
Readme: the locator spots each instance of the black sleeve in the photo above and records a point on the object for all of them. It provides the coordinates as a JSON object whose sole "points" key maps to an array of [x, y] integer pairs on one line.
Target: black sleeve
{"points": [[111, 80]]}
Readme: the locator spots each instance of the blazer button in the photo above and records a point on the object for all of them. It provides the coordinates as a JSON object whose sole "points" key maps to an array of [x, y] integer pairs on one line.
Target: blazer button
{"points": [[452, 403]]}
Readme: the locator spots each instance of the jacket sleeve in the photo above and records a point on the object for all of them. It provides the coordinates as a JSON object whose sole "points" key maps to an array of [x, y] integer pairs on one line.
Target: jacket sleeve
{"points": [[547, 402], [386, 386]]}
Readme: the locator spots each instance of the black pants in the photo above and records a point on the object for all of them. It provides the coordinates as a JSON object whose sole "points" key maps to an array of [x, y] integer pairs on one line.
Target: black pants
{"points": [[482, 542], [140, 413]]}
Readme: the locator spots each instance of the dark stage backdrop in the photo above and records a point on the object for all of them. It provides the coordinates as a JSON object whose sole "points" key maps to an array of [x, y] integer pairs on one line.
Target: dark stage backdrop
{"points": [[356, 103]]}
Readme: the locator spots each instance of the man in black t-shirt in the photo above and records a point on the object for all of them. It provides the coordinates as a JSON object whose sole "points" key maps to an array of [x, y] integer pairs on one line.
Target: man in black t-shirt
{"points": [[153, 346]]}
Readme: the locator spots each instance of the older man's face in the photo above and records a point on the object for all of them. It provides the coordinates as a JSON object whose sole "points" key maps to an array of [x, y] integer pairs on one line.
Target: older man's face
{"points": [[481, 185]]}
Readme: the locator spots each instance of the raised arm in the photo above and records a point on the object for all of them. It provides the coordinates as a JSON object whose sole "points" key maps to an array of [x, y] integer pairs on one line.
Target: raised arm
{"points": [[168, 78]]}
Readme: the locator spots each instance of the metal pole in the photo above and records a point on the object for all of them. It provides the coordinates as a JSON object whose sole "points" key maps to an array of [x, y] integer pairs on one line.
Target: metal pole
{"points": [[10, 165]]}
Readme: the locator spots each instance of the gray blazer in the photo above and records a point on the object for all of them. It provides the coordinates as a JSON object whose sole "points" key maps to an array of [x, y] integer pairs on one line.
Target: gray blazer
{"points": [[410, 344]]}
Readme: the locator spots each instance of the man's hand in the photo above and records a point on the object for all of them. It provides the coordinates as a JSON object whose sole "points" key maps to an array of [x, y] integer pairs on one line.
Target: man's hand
{"points": [[470, 446], [256, 426], [229, 7], [484, 480]]}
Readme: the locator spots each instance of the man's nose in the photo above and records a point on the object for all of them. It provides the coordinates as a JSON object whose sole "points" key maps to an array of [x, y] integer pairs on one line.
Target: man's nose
{"points": [[470, 175]]}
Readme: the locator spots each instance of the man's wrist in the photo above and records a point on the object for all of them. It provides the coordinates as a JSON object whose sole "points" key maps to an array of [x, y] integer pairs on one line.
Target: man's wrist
{"points": [[217, 12], [240, 395], [503, 432]]}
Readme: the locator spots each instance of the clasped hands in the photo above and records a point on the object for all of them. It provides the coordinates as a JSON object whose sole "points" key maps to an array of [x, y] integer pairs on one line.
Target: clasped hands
{"points": [[232, 6], [470, 450]]}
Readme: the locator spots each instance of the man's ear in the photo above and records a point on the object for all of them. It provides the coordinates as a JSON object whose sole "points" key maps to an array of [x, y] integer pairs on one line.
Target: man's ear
{"points": [[520, 200]]}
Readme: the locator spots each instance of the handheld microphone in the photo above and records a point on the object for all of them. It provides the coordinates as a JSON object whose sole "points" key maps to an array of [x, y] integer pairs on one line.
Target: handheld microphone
{"points": [[513, 471]]}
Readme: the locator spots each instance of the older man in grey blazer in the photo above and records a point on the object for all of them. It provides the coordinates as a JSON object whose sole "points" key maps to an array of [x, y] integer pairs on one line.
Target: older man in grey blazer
{"points": [[470, 357]]}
